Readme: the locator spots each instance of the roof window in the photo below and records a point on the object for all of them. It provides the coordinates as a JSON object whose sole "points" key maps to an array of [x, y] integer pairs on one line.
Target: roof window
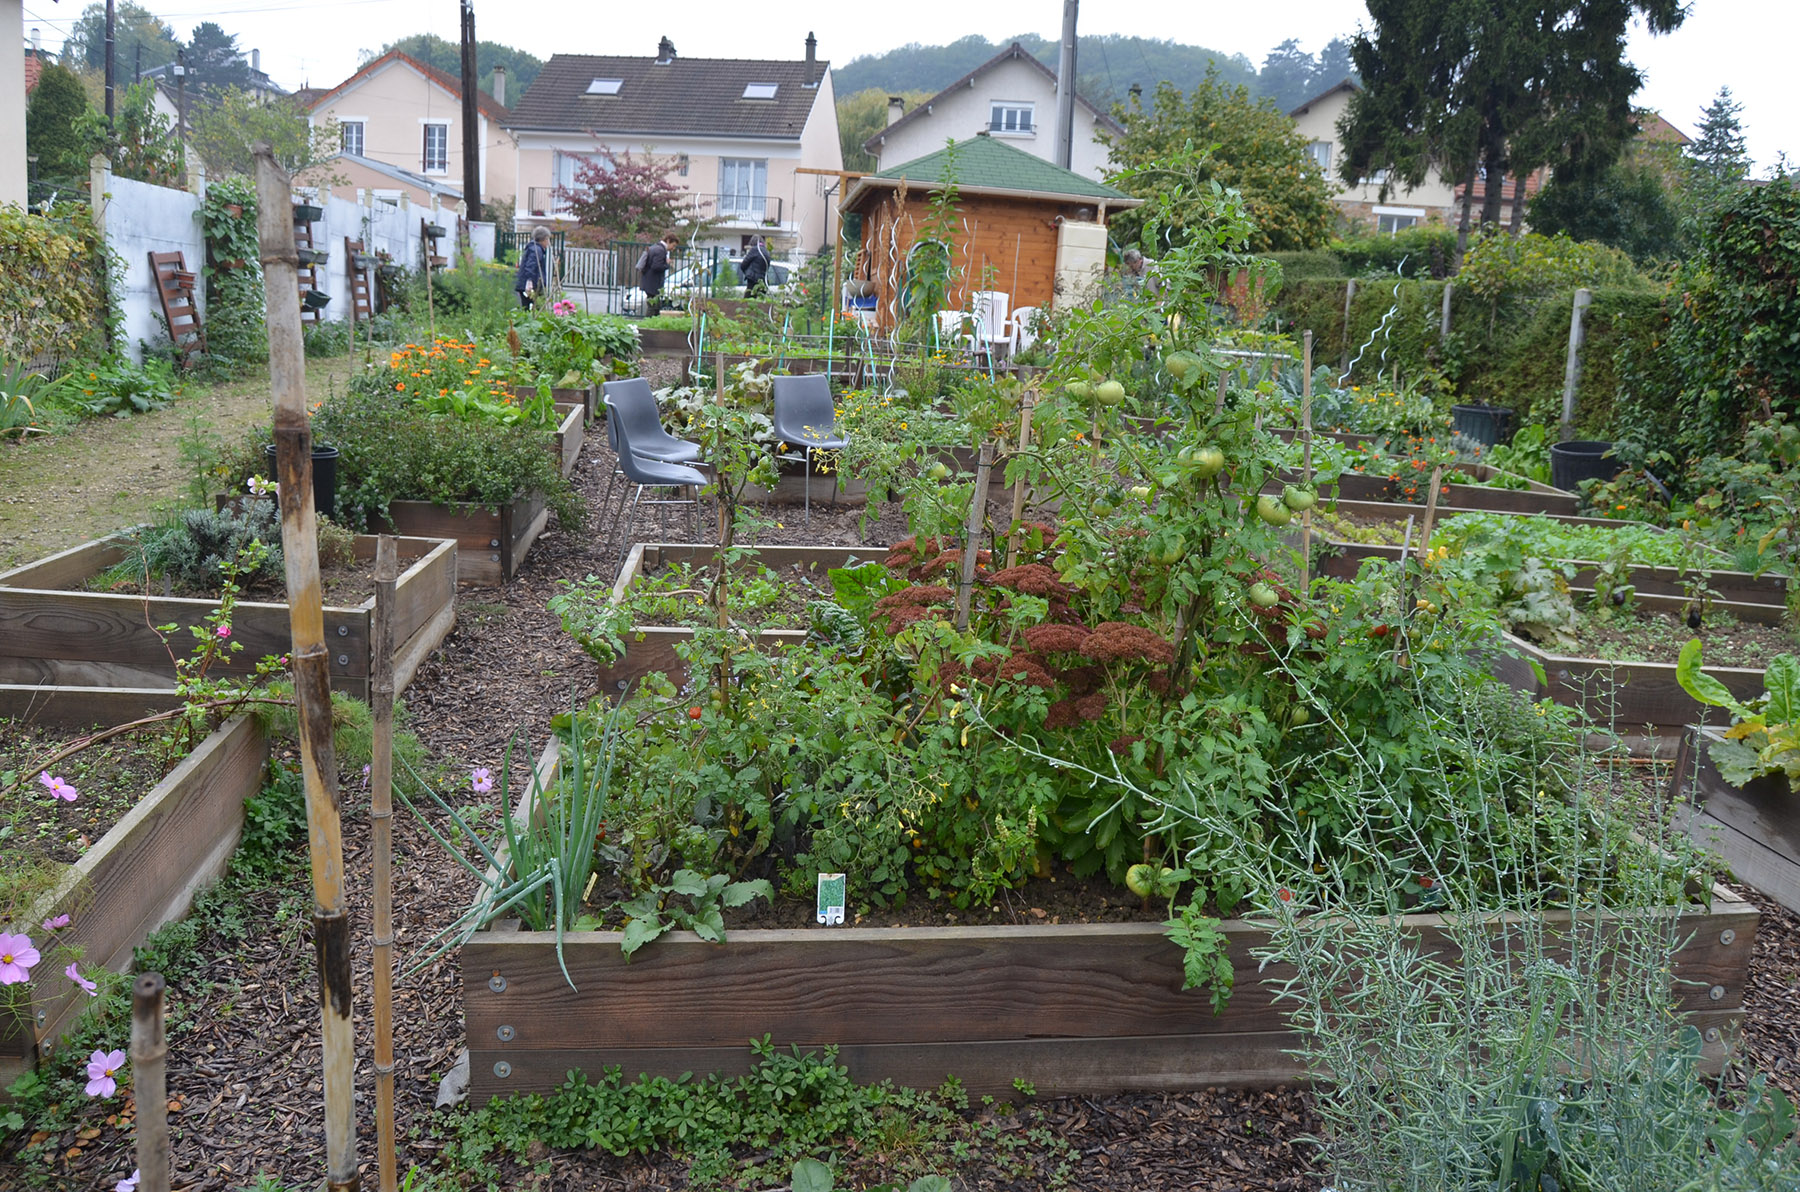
{"points": [[760, 90], [605, 86]]}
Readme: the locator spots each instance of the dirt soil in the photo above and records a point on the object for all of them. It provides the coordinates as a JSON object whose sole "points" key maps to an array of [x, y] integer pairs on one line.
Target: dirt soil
{"points": [[109, 780], [58, 491], [1657, 636]]}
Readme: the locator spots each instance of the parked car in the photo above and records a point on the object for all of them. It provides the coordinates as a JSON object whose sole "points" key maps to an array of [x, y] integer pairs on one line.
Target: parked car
{"points": [[723, 281]]}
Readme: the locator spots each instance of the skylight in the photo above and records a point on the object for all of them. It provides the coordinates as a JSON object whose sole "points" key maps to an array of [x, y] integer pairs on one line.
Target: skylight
{"points": [[760, 90], [604, 86]]}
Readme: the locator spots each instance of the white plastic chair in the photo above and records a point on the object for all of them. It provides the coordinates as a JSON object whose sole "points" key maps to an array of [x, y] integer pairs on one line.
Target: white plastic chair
{"points": [[1020, 335], [951, 335], [990, 310]]}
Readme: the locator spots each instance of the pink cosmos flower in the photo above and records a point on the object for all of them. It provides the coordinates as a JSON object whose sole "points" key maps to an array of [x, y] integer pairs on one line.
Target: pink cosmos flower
{"points": [[100, 1069], [16, 958], [74, 974], [223, 631], [481, 781], [59, 921], [58, 788], [129, 1183]]}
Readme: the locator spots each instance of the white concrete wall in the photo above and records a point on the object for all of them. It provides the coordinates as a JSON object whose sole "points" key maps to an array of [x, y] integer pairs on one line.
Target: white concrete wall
{"points": [[380, 226], [481, 239], [12, 104], [140, 219], [965, 111]]}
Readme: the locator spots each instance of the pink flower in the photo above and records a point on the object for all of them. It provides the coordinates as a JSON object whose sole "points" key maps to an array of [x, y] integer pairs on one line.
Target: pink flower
{"points": [[100, 1069], [16, 958], [74, 974], [129, 1183], [481, 781], [58, 788], [59, 922], [223, 631]]}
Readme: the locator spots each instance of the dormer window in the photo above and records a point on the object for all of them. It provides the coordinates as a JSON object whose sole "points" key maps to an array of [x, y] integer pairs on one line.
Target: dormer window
{"points": [[605, 86], [760, 90]]}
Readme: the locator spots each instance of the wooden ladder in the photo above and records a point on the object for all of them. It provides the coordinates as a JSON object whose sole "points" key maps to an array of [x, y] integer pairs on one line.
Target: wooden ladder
{"points": [[361, 294], [175, 289], [309, 274]]}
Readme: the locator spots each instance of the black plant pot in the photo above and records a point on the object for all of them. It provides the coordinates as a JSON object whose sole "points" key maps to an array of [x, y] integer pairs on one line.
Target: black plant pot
{"points": [[1581, 459], [307, 213], [324, 475], [315, 300], [1488, 425]]}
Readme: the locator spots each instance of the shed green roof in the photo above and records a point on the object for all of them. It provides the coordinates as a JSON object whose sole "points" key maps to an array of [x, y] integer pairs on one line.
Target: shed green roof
{"points": [[992, 164]]}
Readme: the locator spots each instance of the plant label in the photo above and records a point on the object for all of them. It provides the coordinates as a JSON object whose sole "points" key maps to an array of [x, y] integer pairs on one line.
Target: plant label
{"points": [[831, 899]]}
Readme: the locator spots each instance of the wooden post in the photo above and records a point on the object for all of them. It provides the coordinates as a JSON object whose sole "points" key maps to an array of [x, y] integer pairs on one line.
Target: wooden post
{"points": [[965, 585], [381, 818], [1349, 297], [1224, 384], [720, 479], [1572, 369], [430, 250], [1018, 503], [312, 678], [1306, 468], [1431, 500], [1444, 318], [149, 1083]]}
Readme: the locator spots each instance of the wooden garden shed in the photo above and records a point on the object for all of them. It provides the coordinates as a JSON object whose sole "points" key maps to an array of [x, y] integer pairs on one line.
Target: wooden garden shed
{"points": [[1024, 227]]}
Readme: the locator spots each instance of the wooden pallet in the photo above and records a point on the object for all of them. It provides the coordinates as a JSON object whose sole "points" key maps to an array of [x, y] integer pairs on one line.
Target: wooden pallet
{"points": [[175, 290]]}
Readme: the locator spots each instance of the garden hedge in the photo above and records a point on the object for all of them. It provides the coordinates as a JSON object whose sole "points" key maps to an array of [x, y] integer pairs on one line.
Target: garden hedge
{"points": [[52, 285]]}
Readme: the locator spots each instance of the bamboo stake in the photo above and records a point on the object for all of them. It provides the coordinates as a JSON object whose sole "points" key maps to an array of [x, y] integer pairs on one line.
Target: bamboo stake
{"points": [[965, 587], [312, 682], [1306, 469], [149, 1083], [381, 817], [430, 252], [1018, 504], [1224, 383], [1431, 500]]}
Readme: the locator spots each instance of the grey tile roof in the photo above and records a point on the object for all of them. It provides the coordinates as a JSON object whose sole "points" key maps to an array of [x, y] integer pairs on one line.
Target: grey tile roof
{"points": [[685, 97]]}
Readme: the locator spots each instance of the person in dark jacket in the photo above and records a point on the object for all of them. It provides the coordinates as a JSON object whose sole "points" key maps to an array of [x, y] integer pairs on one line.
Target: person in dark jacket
{"points": [[654, 269], [754, 268], [533, 278]]}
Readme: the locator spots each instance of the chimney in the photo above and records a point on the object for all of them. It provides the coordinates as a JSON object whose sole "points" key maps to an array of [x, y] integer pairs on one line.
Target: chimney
{"points": [[665, 50], [896, 107], [1136, 91], [500, 85], [812, 49], [37, 49], [256, 61]]}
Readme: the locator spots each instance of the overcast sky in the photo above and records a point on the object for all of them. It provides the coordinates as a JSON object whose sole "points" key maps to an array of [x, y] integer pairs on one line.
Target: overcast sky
{"points": [[1747, 45]]}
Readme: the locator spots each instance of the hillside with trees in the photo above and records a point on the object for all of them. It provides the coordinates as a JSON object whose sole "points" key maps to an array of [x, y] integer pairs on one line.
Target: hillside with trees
{"points": [[432, 50]]}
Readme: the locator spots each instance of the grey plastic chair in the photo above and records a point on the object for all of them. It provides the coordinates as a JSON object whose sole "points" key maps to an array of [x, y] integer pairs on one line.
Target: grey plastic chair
{"points": [[806, 417], [650, 473], [634, 405]]}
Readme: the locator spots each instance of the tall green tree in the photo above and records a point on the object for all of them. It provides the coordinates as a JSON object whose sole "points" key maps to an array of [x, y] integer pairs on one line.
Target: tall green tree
{"points": [[223, 132], [1719, 153], [435, 51], [1258, 153], [53, 132], [864, 114], [1287, 75], [1478, 90], [133, 26], [214, 62], [1628, 206]]}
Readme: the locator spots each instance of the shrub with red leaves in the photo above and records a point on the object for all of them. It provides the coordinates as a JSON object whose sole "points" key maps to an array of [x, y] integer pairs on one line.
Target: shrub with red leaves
{"points": [[1056, 639], [1117, 641]]}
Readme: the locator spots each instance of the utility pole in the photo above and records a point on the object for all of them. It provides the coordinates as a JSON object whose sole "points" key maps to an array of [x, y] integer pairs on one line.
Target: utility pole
{"points": [[181, 96], [471, 139], [1065, 89], [111, 21]]}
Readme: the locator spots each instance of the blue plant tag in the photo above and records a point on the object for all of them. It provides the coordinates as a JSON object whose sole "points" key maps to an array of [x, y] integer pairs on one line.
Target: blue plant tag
{"points": [[831, 899]]}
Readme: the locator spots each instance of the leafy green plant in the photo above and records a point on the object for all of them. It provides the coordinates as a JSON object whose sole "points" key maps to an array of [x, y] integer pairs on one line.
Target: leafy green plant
{"points": [[1764, 737], [810, 1175], [118, 388], [689, 901], [193, 551], [235, 335]]}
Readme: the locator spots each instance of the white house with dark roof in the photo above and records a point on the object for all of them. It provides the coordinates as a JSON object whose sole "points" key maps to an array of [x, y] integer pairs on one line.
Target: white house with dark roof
{"points": [[1011, 97], [733, 133]]}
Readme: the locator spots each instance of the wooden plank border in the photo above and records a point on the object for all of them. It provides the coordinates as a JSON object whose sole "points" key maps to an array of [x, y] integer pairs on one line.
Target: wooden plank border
{"points": [[1754, 828], [1629, 696], [491, 544]]}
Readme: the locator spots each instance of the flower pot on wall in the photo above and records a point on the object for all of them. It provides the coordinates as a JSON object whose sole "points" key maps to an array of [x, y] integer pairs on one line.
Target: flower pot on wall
{"points": [[315, 299], [313, 256], [307, 213]]}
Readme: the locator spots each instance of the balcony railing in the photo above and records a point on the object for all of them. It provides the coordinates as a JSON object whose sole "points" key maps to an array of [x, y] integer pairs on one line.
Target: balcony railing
{"points": [[543, 202]]}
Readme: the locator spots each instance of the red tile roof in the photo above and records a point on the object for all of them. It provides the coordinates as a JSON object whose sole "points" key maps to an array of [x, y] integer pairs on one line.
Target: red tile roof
{"points": [[34, 66]]}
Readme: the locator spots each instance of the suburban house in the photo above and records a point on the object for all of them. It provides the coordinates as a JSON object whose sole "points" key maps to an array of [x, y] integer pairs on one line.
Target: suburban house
{"points": [[1317, 120], [259, 85], [1028, 229], [733, 133], [401, 113], [1011, 96]]}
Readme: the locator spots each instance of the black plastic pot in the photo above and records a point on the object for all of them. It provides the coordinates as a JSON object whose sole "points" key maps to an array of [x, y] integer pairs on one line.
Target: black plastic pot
{"points": [[307, 213], [315, 300], [1581, 459], [1485, 424], [313, 256], [324, 475]]}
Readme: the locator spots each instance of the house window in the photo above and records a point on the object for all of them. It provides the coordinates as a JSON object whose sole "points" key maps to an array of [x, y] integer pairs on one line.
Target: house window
{"points": [[351, 132], [681, 165], [1320, 152], [605, 86], [1379, 178], [1389, 220], [760, 90], [437, 148], [1014, 118], [743, 186]]}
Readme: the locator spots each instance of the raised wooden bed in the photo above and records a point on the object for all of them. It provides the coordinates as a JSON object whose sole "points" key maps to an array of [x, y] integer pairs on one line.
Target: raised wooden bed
{"points": [[571, 432], [1077, 1009], [1627, 696], [1539, 498], [51, 634], [490, 544], [583, 397], [651, 648], [137, 877], [664, 341], [1755, 828]]}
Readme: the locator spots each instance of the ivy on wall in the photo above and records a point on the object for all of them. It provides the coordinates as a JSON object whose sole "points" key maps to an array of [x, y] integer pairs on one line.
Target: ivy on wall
{"points": [[52, 285], [234, 278]]}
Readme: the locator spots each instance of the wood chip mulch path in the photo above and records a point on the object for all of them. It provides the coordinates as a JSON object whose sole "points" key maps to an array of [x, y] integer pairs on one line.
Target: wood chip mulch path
{"points": [[244, 1057]]}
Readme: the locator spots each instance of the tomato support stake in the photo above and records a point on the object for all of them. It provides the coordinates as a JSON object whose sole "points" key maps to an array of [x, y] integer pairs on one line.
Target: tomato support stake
{"points": [[312, 679], [1306, 468], [150, 1082], [381, 821]]}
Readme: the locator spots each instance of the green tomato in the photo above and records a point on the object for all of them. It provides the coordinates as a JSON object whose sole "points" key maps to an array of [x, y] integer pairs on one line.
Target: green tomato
{"points": [[1299, 499], [1263, 596], [1208, 462], [939, 471], [1172, 550], [1141, 880], [1273, 511], [1079, 390], [1140, 491], [1109, 393], [1298, 715]]}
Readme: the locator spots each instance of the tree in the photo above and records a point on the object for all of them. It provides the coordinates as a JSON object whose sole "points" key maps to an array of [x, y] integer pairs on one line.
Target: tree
{"points": [[1258, 153], [223, 132], [145, 145], [52, 125], [1719, 153], [618, 197], [864, 114], [1287, 75], [132, 27], [1474, 89], [1628, 207], [435, 51], [214, 63]]}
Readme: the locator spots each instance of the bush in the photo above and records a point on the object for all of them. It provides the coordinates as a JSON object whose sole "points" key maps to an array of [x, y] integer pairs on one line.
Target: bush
{"points": [[1310, 263], [1424, 250], [52, 284]]}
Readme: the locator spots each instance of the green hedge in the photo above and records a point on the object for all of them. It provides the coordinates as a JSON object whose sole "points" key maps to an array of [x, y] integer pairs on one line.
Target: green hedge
{"points": [[52, 285]]}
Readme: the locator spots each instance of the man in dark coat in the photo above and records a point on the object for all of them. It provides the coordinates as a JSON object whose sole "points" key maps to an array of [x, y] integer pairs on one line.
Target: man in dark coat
{"points": [[533, 278], [654, 269], [755, 268]]}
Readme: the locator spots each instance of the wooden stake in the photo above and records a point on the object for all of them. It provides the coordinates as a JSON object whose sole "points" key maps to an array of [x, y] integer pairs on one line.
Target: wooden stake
{"points": [[1306, 469], [430, 252], [965, 587], [149, 1083], [312, 678], [1224, 383], [381, 817], [1018, 504], [1431, 500]]}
